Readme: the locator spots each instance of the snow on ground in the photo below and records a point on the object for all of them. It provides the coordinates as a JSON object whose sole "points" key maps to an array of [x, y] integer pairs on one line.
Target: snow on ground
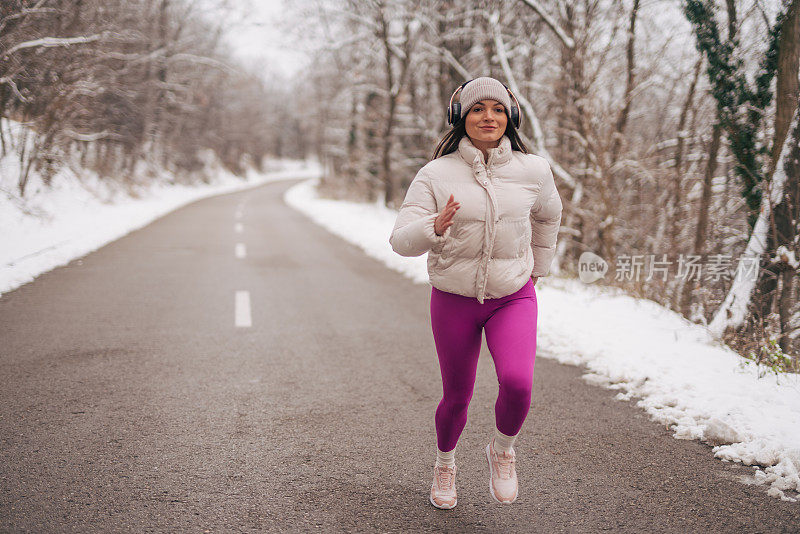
{"points": [[680, 375], [52, 226]]}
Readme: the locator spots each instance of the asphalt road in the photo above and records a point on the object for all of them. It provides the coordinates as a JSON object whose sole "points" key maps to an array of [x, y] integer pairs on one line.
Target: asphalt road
{"points": [[131, 402]]}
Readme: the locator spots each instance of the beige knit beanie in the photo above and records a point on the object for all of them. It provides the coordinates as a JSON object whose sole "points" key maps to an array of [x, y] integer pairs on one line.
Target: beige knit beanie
{"points": [[481, 88]]}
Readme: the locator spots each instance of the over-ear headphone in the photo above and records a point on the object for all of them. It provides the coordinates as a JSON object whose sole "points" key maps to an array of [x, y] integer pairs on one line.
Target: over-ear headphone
{"points": [[454, 109]]}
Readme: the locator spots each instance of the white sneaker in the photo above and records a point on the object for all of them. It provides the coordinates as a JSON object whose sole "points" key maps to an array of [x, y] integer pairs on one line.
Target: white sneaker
{"points": [[502, 475], [443, 489]]}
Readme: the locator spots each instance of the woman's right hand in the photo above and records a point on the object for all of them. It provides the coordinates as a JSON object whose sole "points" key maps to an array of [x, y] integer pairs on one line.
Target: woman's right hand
{"points": [[445, 218]]}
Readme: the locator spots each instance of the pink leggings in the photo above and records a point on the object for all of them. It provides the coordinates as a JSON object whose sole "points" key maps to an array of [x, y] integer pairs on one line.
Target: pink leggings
{"points": [[510, 325]]}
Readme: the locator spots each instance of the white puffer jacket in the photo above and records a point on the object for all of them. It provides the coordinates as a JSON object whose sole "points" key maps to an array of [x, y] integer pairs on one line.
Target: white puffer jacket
{"points": [[504, 232]]}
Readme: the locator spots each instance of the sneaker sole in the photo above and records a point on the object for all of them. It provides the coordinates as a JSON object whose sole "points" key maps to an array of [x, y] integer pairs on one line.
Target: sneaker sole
{"points": [[491, 489], [441, 506]]}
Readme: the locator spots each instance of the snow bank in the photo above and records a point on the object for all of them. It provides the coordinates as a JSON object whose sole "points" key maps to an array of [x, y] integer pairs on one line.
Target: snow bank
{"points": [[80, 213], [680, 375]]}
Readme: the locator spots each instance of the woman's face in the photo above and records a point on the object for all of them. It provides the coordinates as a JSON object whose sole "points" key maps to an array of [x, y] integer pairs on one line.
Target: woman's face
{"points": [[486, 122]]}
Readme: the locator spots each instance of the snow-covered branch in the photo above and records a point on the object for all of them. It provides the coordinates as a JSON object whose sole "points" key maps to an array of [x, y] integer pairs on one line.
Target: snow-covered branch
{"points": [[202, 60], [162, 53], [8, 81], [48, 42], [450, 59], [133, 57], [359, 19], [90, 137], [551, 22], [784, 254], [25, 12], [345, 44]]}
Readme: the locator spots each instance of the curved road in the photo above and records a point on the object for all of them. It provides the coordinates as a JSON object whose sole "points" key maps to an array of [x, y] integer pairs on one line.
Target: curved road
{"points": [[131, 402]]}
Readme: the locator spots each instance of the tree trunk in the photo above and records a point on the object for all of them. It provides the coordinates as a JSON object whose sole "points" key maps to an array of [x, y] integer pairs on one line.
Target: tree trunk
{"points": [[784, 229], [676, 200], [701, 231], [786, 84], [785, 307], [622, 121], [386, 149]]}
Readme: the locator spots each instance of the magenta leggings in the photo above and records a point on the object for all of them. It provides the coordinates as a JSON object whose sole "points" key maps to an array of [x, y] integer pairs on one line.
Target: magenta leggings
{"points": [[510, 326]]}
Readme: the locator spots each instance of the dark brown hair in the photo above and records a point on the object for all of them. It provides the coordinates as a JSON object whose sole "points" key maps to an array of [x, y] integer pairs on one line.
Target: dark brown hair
{"points": [[449, 142]]}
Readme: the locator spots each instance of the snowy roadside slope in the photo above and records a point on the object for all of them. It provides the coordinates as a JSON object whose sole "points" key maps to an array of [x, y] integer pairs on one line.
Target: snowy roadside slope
{"points": [[75, 216], [679, 374]]}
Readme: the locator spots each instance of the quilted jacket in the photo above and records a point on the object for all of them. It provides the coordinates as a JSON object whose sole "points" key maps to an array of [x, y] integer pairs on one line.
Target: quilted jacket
{"points": [[504, 232]]}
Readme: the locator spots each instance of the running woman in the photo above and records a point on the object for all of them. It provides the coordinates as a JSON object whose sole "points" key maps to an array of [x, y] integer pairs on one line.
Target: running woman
{"points": [[488, 214]]}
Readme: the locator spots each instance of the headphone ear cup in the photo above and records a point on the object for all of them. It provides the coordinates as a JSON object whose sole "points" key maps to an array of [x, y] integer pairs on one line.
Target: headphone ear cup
{"points": [[515, 116], [454, 113]]}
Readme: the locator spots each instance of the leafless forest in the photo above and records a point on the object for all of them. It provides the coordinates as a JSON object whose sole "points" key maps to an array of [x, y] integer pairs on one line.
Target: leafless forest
{"points": [[121, 83], [671, 125]]}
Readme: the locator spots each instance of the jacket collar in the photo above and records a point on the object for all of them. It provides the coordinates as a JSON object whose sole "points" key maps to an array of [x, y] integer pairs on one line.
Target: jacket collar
{"points": [[474, 157]]}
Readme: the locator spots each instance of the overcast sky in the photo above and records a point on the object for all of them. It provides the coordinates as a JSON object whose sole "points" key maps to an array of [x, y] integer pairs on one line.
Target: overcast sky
{"points": [[260, 33]]}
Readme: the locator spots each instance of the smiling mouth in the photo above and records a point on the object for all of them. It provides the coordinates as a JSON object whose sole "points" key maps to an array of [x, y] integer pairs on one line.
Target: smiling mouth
{"points": [[488, 127]]}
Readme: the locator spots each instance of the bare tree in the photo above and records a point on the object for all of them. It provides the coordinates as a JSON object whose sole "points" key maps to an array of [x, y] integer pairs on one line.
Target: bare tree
{"points": [[102, 81]]}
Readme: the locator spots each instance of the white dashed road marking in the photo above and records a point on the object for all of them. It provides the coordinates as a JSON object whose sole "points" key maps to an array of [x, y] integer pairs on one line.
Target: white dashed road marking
{"points": [[243, 318]]}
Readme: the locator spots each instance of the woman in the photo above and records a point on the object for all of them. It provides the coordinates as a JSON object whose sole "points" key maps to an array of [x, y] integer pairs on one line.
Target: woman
{"points": [[488, 214]]}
